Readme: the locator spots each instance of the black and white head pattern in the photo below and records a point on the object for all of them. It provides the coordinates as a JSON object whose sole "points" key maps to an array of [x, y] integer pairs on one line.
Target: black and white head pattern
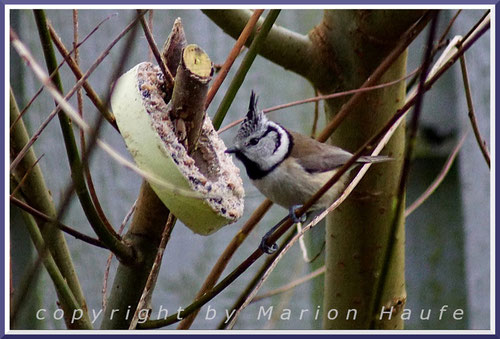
{"points": [[261, 144], [254, 119]]}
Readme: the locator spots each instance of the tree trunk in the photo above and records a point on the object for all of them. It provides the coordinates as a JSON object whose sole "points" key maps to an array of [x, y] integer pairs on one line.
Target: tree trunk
{"points": [[340, 54], [357, 232]]}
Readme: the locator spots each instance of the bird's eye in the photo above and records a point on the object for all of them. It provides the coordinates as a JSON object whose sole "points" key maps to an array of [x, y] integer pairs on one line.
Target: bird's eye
{"points": [[253, 141]]}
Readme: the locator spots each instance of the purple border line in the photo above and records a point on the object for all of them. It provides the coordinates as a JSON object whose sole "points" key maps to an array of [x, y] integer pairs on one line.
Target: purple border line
{"points": [[258, 2], [2, 185], [3, 3]]}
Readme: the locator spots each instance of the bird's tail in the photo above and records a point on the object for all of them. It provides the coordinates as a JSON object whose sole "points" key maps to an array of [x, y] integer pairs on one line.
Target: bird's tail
{"points": [[375, 159]]}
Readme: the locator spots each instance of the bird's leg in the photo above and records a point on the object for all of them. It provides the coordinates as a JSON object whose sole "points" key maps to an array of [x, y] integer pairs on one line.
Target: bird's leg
{"points": [[270, 249], [295, 219]]}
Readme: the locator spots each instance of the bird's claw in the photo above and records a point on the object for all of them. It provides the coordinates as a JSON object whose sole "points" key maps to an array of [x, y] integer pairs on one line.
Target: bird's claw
{"points": [[295, 219], [269, 249]]}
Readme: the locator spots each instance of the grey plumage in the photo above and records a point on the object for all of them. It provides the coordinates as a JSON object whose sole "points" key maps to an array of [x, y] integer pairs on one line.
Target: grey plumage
{"points": [[288, 167], [315, 156]]}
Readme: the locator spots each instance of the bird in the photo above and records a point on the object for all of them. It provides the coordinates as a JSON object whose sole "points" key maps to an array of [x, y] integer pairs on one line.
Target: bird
{"points": [[288, 167]]}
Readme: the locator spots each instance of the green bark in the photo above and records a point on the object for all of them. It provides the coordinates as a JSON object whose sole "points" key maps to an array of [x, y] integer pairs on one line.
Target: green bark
{"points": [[22, 250], [36, 194], [357, 232], [291, 50], [145, 234], [107, 236]]}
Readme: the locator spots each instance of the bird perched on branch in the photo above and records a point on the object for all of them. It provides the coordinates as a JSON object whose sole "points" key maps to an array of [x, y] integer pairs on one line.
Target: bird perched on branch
{"points": [[288, 167]]}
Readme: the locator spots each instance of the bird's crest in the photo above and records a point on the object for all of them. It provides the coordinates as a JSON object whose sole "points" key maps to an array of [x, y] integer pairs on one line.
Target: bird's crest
{"points": [[253, 120]]}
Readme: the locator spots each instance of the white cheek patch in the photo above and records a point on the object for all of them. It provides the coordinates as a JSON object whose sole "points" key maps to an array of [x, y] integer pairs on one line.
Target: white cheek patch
{"points": [[282, 150]]}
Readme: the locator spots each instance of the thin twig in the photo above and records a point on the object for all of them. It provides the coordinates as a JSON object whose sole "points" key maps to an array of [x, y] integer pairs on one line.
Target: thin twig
{"points": [[472, 114], [28, 105], [324, 97], [235, 52], [448, 28], [439, 179], [226, 256], [441, 43], [245, 65], [150, 25], [291, 285], [152, 45], [71, 231], [77, 61], [79, 95], [23, 179], [110, 256], [155, 269], [86, 168], [316, 115]]}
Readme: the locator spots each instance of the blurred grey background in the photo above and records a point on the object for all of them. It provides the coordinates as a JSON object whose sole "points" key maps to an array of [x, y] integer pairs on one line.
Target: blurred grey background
{"points": [[448, 238]]}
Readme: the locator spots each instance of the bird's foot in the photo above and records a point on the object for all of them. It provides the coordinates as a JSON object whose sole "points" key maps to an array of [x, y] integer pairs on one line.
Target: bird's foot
{"points": [[295, 219], [269, 249]]}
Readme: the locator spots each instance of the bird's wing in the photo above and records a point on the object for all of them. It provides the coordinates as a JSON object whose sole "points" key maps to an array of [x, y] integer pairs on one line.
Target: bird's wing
{"points": [[315, 156]]}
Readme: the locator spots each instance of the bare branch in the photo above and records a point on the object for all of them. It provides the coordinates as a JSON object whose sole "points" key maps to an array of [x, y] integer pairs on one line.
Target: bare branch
{"points": [[155, 269], [71, 231], [472, 114], [323, 97], [226, 256], [289, 49], [439, 179], [291, 285], [152, 45], [28, 105], [235, 52], [110, 256]]}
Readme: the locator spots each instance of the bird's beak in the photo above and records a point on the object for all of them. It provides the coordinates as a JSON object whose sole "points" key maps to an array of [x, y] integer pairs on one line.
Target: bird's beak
{"points": [[231, 150]]}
